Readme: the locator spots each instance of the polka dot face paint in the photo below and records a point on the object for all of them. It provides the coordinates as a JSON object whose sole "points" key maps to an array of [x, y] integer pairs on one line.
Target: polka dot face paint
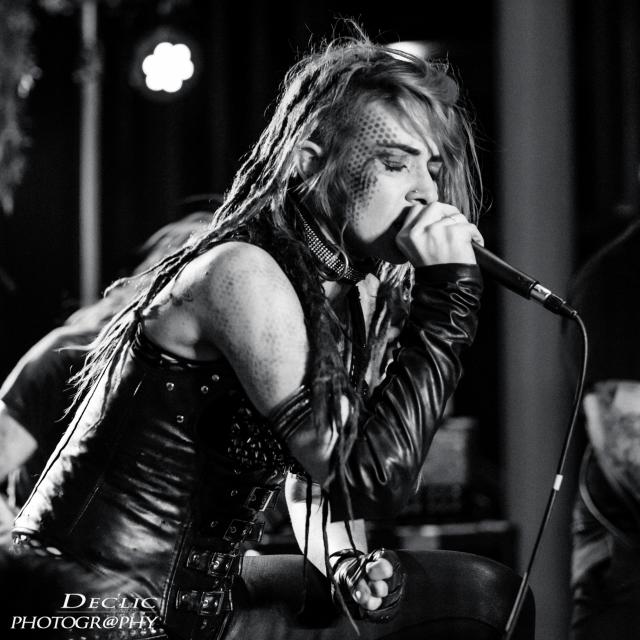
{"points": [[388, 167]]}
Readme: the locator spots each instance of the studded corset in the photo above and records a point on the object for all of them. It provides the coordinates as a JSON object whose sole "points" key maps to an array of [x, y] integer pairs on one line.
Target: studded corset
{"points": [[161, 483]]}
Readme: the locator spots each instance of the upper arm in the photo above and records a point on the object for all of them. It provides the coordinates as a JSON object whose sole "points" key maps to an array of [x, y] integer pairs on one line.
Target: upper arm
{"points": [[252, 314]]}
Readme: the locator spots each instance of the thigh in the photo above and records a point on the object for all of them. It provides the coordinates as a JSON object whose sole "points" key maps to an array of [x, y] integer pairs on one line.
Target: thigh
{"points": [[449, 595]]}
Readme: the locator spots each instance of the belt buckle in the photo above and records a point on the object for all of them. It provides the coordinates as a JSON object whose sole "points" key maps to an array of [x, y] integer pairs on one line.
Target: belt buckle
{"points": [[220, 563], [240, 530], [198, 559], [261, 498], [204, 603], [211, 603]]}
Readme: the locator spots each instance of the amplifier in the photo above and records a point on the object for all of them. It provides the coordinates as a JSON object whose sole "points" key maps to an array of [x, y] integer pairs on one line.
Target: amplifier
{"points": [[445, 490]]}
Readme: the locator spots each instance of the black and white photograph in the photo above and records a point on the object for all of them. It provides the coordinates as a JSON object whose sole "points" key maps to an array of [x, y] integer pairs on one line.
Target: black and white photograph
{"points": [[319, 320]]}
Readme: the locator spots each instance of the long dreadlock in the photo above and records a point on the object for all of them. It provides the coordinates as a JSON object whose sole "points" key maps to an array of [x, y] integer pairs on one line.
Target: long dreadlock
{"points": [[322, 98]]}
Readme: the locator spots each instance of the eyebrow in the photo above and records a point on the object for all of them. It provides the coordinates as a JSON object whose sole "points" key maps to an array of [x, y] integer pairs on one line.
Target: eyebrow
{"points": [[408, 149]]}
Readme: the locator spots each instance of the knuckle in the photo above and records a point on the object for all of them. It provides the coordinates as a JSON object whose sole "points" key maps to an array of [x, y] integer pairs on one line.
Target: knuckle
{"points": [[456, 231]]}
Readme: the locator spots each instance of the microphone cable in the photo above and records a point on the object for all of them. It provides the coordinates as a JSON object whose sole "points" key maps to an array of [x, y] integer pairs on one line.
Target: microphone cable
{"points": [[522, 590]]}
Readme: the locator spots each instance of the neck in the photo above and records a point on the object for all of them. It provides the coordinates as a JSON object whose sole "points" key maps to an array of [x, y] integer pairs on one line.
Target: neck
{"points": [[333, 262]]}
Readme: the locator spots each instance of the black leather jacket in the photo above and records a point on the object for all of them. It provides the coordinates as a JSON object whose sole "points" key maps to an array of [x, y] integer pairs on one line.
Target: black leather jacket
{"points": [[164, 483], [403, 413]]}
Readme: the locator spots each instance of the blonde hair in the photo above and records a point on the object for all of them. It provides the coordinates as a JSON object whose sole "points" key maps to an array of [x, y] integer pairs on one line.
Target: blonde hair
{"points": [[321, 99]]}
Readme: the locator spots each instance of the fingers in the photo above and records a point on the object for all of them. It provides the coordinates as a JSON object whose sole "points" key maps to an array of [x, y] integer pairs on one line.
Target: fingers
{"points": [[369, 591], [437, 234], [380, 569], [364, 596], [424, 216], [475, 235], [447, 228], [379, 588]]}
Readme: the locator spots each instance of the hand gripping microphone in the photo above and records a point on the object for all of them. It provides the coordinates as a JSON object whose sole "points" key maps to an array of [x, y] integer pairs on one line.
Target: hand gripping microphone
{"points": [[520, 283]]}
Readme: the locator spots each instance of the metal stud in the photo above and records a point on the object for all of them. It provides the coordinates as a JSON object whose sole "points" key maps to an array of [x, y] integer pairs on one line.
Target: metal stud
{"points": [[179, 419], [170, 386]]}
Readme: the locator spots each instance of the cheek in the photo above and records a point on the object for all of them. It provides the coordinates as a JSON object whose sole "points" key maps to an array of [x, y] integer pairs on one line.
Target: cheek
{"points": [[363, 180], [363, 187]]}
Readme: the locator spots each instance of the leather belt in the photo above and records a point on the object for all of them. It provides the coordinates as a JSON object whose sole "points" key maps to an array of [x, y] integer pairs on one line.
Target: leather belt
{"points": [[214, 563], [204, 603], [236, 530], [261, 498]]}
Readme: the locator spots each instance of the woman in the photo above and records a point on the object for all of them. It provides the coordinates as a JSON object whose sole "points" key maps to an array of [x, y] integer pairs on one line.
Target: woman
{"points": [[248, 360]]}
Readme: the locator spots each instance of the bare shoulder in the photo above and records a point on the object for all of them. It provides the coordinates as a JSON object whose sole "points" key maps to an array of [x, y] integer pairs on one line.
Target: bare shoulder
{"points": [[241, 259], [247, 307], [237, 276]]}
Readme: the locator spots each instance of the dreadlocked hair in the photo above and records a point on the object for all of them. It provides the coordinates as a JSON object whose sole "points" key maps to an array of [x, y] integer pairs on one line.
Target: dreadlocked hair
{"points": [[322, 98]]}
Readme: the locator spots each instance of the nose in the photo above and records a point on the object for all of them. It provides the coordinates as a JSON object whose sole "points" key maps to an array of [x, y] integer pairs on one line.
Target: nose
{"points": [[424, 191]]}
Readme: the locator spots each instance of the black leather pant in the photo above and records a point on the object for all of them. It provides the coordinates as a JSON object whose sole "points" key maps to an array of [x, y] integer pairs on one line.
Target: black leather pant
{"points": [[449, 595]]}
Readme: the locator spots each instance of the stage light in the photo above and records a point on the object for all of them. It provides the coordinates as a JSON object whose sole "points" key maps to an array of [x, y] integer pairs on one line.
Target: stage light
{"points": [[165, 64], [168, 67]]}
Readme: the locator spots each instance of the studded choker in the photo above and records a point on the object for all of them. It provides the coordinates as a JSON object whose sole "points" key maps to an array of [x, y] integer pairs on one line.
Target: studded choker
{"points": [[334, 264]]}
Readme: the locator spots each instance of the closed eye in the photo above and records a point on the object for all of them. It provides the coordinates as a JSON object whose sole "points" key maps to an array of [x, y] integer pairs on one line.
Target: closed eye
{"points": [[394, 165], [394, 161]]}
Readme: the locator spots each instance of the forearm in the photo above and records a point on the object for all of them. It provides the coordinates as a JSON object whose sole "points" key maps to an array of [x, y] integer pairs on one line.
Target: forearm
{"points": [[337, 534]]}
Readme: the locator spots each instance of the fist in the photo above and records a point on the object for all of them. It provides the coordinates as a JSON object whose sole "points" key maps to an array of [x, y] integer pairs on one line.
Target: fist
{"points": [[373, 582], [437, 234]]}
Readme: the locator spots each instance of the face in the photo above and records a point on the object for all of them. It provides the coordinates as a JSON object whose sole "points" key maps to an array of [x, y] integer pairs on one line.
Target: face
{"points": [[390, 168]]}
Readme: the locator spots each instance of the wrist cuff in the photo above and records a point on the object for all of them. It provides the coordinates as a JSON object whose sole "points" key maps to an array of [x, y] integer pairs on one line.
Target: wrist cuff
{"points": [[450, 272], [291, 413]]}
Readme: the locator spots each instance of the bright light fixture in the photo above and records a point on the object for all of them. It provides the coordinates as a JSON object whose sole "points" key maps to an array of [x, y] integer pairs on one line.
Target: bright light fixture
{"points": [[165, 64], [167, 68]]}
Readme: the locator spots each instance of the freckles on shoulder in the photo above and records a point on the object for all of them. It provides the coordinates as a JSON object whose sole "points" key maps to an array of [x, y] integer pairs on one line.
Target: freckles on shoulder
{"points": [[253, 315], [242, 285]]}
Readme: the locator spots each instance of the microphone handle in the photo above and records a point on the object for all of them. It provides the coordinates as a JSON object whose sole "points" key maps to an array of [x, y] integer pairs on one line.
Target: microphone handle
{"points": [[520, 283], [503, 272]]}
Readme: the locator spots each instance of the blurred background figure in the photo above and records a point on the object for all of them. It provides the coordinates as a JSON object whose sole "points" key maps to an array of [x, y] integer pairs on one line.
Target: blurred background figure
{"points": [[35, 395], [606, 527]]}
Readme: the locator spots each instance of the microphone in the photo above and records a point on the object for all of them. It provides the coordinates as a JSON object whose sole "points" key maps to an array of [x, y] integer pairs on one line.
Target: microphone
{"points": [[520, 282]]}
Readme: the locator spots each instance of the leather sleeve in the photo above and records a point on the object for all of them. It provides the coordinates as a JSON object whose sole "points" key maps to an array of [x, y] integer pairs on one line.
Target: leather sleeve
{"points": [[398, 421]]}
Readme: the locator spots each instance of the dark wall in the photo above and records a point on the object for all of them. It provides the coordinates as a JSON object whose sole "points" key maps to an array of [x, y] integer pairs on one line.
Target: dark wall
{"points": [[607, 93], [38, 243]]}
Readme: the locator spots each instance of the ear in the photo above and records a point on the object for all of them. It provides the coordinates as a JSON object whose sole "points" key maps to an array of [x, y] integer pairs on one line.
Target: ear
{"points": [[308, 158]]}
